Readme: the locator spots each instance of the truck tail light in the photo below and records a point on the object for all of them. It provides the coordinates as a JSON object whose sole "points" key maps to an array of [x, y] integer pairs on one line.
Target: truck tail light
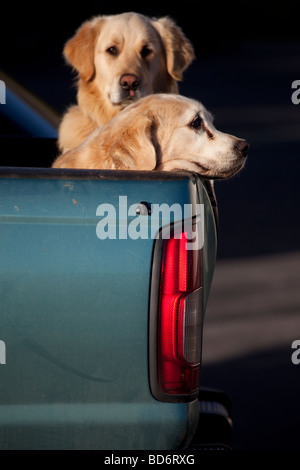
{"points": [[175, 350]]}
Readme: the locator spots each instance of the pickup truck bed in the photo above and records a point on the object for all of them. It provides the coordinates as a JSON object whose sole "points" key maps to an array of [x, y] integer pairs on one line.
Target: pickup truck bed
{"points": [[75, 311]]}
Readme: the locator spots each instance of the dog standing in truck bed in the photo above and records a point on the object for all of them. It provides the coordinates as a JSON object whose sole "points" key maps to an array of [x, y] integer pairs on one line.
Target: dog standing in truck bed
{"points": [[120, 59]]}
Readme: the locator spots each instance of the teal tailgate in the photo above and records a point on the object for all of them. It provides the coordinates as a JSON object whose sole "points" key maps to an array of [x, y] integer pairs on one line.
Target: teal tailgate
{"points": [[74, 319]]}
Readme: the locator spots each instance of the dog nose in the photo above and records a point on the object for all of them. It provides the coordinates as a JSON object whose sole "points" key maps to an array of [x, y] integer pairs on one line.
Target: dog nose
{"points": [[129, 81], [242, 147]]}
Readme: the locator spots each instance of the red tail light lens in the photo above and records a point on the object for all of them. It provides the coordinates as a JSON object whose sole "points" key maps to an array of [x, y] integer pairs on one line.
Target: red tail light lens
{"points": [[179, 320]]}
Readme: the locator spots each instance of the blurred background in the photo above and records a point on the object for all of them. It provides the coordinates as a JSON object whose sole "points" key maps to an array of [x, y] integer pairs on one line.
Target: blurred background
{"points": [[248, 56]]}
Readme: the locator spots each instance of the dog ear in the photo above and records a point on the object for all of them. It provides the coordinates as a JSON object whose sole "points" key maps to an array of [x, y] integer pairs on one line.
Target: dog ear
{"points": [[179, 50], [133, 147], [79, 50]]}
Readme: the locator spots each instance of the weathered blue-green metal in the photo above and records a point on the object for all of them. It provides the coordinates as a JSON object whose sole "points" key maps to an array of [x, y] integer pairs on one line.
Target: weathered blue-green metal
{"points": [[74, 310]]}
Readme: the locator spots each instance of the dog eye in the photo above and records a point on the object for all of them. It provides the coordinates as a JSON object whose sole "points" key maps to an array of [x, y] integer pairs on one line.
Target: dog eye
{"points": [[112, 50], [196, 123], [145, 52]]}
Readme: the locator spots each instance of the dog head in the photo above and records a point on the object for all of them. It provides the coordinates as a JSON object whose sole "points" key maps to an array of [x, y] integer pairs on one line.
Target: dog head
{"points": [[171, 132], [128, 56]]}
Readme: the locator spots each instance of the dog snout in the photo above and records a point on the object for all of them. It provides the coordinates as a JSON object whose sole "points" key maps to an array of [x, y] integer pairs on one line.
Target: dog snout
{"points": [[241, 147], [129, 81]]}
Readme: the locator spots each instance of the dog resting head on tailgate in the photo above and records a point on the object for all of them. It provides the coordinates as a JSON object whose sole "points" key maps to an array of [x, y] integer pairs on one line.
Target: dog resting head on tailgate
{"points": [[160, 132], [120, 59]]}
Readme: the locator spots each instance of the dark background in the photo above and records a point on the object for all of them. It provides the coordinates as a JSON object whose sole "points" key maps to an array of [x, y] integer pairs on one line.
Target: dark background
{"points": [[248, 55]]}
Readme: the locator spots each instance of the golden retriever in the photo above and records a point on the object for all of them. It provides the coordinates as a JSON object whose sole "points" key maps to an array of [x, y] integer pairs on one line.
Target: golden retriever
{"points": [[120, 59], [160, 132]]}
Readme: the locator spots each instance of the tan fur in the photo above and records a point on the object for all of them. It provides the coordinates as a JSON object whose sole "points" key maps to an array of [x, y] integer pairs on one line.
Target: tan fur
{"points": [[100, 96], [160, 132]]}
